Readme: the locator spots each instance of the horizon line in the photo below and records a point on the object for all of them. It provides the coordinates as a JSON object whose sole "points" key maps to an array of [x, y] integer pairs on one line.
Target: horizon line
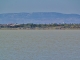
{"points": [[37, 12]]}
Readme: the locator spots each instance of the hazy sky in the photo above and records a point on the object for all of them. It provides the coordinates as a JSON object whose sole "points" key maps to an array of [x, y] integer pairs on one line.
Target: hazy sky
{"points": [[62, 6]]}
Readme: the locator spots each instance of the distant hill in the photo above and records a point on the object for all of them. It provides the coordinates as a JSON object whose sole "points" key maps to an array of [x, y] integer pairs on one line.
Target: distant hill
{"points": [[39, 17]]}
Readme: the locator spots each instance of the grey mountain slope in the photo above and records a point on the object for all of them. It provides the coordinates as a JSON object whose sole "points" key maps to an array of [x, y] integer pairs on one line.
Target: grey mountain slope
{"points": [[39, 17]]}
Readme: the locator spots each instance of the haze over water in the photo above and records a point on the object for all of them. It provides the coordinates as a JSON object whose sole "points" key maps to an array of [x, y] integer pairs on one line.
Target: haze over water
{"points": [[39, 45]]}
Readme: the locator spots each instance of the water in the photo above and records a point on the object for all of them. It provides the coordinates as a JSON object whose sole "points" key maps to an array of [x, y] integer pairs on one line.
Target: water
{"points": [[39, 45]]}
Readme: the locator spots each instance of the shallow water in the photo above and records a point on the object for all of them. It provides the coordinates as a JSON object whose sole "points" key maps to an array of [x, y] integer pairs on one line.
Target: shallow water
{"points": [[39, 44]]}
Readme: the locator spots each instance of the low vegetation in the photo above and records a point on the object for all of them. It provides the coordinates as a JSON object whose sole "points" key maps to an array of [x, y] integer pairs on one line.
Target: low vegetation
{"points": [[32, 26]]}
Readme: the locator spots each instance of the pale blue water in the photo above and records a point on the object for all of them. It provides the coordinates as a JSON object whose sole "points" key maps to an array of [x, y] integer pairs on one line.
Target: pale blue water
{"points": [[39, 44]]}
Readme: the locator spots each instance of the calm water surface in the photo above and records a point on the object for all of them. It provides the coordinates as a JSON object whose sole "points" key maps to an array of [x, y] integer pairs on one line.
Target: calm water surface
{"points": [[39, 44]]}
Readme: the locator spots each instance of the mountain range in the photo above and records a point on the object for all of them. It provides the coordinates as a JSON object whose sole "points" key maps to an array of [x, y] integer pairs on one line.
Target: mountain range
{"points": [[39, 18]]}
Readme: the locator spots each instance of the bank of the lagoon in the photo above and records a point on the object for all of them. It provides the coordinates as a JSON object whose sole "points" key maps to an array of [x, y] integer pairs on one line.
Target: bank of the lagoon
{"points": [[39, 44], [40, 28], [31, 26]]}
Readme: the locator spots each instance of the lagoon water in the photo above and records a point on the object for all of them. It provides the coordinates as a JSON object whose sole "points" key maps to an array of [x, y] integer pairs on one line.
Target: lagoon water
{"points": [[39, 44]]}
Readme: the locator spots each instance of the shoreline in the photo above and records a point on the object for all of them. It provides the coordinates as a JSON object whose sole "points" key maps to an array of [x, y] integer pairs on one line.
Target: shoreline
{"points": [[35, 29]]}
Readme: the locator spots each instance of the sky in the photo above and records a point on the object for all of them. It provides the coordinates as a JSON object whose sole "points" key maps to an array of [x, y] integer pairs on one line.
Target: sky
{"points": [[61, 6]]}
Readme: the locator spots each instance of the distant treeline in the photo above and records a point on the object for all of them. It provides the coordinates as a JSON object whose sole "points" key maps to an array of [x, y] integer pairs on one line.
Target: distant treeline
{"points": [[40, 26]]}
